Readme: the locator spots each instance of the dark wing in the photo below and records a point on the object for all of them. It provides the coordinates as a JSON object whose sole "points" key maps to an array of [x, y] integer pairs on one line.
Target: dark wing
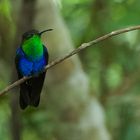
{"points": [[36, 84], [24, 96], [46, 54], [17, 59]]}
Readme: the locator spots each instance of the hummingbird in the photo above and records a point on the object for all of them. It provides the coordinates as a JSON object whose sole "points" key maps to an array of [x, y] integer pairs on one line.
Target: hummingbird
{"points": [[31, 59]]}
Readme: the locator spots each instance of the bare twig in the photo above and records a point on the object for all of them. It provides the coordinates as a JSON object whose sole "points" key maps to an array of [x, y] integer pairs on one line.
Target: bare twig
{"points": [[80, 48]]}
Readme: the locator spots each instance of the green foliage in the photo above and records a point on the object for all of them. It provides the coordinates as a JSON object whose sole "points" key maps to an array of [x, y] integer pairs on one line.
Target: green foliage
{"points": [[114, 75], [4, 120], [5, 9], [113, 67]]}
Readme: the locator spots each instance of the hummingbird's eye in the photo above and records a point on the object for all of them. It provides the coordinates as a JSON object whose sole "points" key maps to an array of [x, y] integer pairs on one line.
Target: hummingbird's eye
{"points": [[29, 36]]}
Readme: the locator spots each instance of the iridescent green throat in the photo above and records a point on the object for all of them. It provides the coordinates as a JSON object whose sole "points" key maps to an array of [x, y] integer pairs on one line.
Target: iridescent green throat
{"points": [[32, 47]]}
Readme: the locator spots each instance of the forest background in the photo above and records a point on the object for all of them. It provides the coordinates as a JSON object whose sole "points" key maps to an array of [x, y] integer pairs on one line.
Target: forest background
{"points": [[91, 96]]}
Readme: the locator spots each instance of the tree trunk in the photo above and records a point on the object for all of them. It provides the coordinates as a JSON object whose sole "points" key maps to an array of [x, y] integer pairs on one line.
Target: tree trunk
{"points": [[75, 115]]}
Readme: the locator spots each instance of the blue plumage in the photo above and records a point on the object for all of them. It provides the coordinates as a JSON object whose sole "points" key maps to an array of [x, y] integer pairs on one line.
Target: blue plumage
{"points": [[28, 67]]}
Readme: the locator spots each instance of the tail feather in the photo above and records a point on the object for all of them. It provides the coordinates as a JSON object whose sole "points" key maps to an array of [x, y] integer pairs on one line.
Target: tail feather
{"points": [[24, 98], [31, 90]]}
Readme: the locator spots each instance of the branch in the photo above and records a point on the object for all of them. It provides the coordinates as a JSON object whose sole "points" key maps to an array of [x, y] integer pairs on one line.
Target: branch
{"points": [[80, 48]]}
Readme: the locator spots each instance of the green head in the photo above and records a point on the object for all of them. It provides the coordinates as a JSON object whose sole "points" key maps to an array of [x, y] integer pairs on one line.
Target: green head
{"points": [[32, 44]]}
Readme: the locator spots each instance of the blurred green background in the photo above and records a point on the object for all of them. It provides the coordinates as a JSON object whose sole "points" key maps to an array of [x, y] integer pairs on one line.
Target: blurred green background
{"points": [[94, 95]]}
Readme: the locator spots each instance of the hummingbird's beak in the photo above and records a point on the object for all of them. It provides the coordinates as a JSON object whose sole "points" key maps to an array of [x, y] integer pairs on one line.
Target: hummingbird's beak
{"points": [[45, 31]]}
